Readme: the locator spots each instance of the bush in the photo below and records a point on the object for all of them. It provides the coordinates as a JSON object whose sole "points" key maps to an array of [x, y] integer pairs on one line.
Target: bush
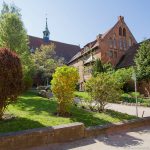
{"points": [[10, 78], [63, 87], [103, 89]]}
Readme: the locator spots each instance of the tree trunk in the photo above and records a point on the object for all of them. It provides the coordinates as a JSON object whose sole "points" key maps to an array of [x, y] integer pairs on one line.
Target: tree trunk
{"points": [[147, 87]]}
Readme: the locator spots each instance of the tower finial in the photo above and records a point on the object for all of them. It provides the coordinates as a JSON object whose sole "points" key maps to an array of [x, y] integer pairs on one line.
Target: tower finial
{"points": [[46, 33]]}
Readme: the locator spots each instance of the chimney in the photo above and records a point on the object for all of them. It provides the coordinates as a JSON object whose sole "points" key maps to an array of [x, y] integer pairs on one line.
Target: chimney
{"points": [[121, 18]]}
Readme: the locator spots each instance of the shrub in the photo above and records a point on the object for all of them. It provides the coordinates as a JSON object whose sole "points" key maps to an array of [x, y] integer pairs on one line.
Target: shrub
{"points": [[63, 87], [10, 78], [103, 89]]}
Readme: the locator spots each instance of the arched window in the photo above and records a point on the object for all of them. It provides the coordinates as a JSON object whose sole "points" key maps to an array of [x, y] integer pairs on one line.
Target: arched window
{"points": [[120, 31], [124, 32]]}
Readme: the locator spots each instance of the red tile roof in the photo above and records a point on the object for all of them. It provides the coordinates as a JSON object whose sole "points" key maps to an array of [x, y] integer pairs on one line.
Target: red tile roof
{"points": [[67, 51]]}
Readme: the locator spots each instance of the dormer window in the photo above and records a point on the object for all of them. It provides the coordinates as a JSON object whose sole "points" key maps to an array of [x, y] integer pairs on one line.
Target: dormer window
{"points": [[124, 32], [120, 31]]}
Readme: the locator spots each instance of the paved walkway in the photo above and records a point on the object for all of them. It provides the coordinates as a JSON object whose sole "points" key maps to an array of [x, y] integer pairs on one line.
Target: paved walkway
{"points": [[138, 139], [131, 110]]}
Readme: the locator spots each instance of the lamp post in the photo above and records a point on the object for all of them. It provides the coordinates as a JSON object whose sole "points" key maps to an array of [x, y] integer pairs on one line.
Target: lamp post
{"points": [[135, 87]]}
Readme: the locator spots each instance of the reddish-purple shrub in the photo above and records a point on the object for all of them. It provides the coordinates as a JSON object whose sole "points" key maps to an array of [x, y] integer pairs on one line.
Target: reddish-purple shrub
{"points": [[10, 78]]}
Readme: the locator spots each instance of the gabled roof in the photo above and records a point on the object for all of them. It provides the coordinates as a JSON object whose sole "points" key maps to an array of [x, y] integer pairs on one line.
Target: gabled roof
{"points": [[67, 51], [127, 60]]}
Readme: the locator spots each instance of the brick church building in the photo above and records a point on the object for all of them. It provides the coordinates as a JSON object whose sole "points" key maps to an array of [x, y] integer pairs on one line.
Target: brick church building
{"points": [[64, 50], [110, 47], [116, 46]]}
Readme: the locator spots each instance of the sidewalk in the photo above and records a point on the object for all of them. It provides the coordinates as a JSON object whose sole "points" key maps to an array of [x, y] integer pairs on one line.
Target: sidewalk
{"points": [[131, 110], [138, 139]]}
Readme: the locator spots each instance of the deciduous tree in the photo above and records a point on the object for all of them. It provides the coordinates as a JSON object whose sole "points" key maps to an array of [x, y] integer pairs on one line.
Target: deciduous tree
{"points": [[103, 89], [142, 61], [13, 36], [10, 78], [63, 87]]}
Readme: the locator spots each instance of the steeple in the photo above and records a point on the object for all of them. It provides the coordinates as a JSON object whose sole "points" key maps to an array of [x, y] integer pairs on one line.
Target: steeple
{"points": [[46, 33]]}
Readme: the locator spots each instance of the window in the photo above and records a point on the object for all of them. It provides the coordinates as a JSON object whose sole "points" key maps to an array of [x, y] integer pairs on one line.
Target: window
{"points": [[115, 54], [125, 44], [114, 43], [124, 32], [130, 42], [120, 44], [110, 42], [120, 31], [110, 53]]}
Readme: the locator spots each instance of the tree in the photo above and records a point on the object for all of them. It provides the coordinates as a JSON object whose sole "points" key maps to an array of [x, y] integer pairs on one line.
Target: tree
{"points": [[10, 9], [142, 61], [103, 89], [123, 75], [63, 86], [13, 36], [46, 61], [98, 67], [10, 78]]}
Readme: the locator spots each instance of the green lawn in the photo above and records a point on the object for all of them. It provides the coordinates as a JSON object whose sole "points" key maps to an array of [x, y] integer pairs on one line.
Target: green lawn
{"points": [[32, 111], [83, 95]]}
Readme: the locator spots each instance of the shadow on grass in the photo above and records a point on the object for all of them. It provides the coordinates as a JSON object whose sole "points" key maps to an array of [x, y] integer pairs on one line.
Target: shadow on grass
{"points": [[35, 104], [87, 117], [18, 124]]}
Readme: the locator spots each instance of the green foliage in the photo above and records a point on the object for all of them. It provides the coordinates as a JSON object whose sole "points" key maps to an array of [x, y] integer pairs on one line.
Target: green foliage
{"points": [[32, 111], [131, 97], [13, 36], [10, 78], [142, 61], [46, 61], [103, 89], [10, 9], [98, 67], [123, 76], [63, 87], [108, 68]]}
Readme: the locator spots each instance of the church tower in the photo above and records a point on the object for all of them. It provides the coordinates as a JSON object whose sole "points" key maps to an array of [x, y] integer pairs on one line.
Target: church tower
{"points": [[46, 33]]}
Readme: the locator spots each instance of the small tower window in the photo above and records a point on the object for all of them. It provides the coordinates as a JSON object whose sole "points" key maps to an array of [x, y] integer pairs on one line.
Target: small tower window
{"points": [[120, 31], [124, 32]]}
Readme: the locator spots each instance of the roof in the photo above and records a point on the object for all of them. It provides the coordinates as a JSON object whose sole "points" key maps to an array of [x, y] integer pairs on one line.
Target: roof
{"points": [[92, 44], [127, 59], [67, 51]]}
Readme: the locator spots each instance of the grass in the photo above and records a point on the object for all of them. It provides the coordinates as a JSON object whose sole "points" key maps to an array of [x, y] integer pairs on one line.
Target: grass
{"points": [[83, 95], [32, 111]]}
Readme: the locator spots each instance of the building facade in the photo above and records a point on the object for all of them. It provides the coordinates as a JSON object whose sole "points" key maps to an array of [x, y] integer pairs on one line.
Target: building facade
{"points": [[63, 50], [108, 47]]}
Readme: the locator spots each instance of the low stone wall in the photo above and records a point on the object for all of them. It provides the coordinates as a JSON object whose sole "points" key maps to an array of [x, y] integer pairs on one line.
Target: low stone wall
{"points": [[41, 136], [63, 133], [117, 127]]}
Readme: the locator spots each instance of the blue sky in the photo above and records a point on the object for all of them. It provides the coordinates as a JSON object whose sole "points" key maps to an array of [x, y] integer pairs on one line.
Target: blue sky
{"points": [[80, 21]]}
